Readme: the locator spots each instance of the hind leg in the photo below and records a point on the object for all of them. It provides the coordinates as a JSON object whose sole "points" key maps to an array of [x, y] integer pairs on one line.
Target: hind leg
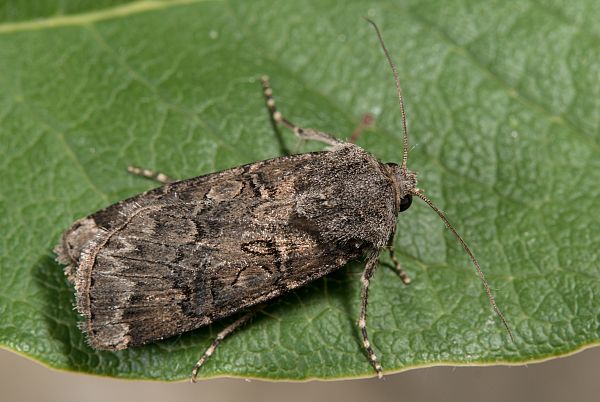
{"points": [[228, 330], [150, 174]]}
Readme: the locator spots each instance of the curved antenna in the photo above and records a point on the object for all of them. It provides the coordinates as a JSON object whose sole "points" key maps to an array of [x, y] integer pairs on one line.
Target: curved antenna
{"points": [[475, 262], [398, 91]]}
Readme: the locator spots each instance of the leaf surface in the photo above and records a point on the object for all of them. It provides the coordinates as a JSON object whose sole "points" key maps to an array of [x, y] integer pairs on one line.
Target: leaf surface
{"points": [[502, 100]]}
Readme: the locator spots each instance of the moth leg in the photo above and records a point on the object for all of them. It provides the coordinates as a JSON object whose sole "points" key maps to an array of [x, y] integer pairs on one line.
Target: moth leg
{"points": [[403, 275], [362, 320], [302, 133], [366, 122], [220, 336], [150, 174]]}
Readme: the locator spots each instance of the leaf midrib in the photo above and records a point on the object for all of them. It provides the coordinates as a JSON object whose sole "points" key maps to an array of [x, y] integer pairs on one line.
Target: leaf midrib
{"points": [[94, 16]]}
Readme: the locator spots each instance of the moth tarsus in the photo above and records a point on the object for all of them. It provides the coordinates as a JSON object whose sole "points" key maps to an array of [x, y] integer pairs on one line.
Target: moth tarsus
{"points": [[191, 252], [247, 316]]}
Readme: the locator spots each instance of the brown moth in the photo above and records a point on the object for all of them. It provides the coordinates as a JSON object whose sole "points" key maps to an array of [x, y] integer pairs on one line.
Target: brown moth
{"points": [[191, 252]]}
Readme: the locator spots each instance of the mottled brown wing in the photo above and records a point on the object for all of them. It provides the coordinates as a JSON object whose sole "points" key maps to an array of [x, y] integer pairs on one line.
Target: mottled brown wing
{"points": [[191, 252]]}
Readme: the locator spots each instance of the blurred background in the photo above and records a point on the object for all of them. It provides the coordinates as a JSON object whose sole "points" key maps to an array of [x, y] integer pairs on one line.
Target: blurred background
{"points": [[570, 378]]}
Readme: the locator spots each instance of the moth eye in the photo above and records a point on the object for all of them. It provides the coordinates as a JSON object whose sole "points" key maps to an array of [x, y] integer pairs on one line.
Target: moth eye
{"points": [[405, 202]]}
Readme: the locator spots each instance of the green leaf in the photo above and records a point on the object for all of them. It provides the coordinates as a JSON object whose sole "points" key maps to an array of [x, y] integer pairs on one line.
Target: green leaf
{"points": [[502, 100], [18, 10]]}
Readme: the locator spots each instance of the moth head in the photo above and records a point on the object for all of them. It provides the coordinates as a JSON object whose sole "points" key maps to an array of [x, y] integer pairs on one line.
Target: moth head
{"points": [[405, 183]]}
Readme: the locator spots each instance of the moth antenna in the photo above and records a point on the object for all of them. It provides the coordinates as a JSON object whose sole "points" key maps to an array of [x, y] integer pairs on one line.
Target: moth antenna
{"points": [[475, 262], [398, 91]]}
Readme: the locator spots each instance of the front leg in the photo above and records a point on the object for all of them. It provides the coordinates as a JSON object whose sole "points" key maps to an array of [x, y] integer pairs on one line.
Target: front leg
{"points": [[401, 273]]}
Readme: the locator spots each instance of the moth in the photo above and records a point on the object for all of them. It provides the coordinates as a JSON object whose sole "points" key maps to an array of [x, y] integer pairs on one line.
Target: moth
{"points": [[191, 252]]}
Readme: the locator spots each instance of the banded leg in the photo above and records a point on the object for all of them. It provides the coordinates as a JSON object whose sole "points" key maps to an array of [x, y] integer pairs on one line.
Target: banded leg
{"points": [[403, 275], [150, 174], [302, 133], [220, 336], [370, 267]]}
